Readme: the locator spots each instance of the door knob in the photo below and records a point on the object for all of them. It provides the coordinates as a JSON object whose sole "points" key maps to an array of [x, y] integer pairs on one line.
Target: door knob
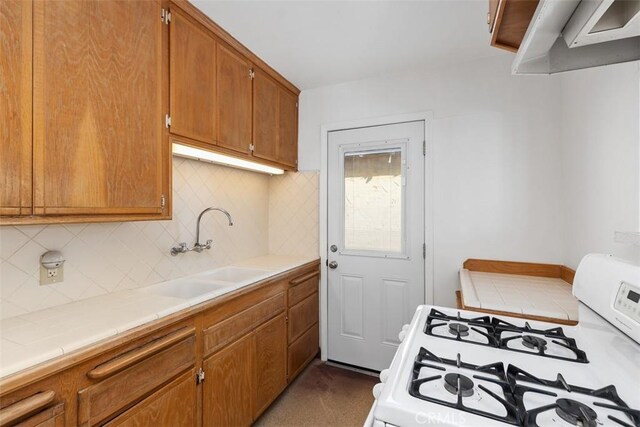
{"points": [[333, 265]]}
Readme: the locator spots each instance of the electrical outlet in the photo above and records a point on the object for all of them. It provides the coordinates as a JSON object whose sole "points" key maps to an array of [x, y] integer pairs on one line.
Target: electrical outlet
{"points": [[49, 276]]}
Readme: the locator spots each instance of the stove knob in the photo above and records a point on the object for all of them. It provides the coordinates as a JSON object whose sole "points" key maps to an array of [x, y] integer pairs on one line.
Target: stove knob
{"points": [[384, 375], [402, 335], [377, 389]]}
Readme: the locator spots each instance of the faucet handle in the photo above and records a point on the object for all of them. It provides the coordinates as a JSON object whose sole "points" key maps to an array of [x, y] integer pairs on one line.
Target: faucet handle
{"points": [[208, 244], [180, 249]]}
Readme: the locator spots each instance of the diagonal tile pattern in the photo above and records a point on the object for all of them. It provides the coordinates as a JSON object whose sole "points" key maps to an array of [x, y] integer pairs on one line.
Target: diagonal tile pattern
{"points": [[293, 214], [276, 215]]}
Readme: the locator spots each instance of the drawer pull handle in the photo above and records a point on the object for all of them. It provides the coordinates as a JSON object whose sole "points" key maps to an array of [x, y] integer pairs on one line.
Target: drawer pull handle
{"points": [[304, 278], [132, 357], [28, 406]]}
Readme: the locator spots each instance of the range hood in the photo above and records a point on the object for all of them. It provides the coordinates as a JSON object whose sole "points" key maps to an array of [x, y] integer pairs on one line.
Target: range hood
{"points": [[566, 35]]}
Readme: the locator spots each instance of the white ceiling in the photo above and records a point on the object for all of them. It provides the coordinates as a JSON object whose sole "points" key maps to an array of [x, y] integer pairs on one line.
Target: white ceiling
{"points": [[316, 43]]}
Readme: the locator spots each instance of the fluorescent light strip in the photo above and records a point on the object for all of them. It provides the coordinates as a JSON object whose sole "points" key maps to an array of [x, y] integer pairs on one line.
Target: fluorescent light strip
{"points": [[221, 159]]}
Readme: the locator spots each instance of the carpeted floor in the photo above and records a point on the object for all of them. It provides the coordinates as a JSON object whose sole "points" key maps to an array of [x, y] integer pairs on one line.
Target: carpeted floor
{"points": [[322, 395]]}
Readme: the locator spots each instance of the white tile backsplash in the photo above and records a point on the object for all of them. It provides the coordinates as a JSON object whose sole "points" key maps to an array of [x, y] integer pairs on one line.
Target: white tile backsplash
{"points": [[293, 214], [109, 257]]}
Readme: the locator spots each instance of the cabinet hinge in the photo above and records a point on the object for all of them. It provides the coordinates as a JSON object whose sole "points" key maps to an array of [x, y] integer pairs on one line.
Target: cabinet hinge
{"points": [[163, 201], [252, 74], [252, 147], [167, 121], [165, 16], [424, 251], [296, 104], [200, 376]]}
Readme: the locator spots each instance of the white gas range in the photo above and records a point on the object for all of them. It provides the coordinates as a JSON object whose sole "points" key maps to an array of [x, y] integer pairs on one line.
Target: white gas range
{"points": [[457, 367]]}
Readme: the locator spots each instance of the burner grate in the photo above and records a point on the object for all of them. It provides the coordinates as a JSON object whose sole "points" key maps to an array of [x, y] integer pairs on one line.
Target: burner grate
{"points": [[510, 382], [494, 329]]}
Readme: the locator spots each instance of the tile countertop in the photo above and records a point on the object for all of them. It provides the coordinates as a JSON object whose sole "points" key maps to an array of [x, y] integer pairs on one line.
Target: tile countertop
{"points": [[528, 295], [36, 337]]}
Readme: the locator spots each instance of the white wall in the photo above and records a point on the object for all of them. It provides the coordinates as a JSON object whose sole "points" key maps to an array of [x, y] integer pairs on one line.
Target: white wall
{"points": [[600, 117], [496, 156]]}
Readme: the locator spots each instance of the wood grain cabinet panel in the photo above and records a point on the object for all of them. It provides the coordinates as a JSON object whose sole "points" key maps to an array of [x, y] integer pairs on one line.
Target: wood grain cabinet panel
{"points": [[50, 417], [173, 405], [302, 351], [192, 79], [15, 106], [105, 398], [100, 145], [288, 129], [271, 362], [227, 394], [303, 286], [265, 116], [233, 106], [302, 316], [509, 20]]}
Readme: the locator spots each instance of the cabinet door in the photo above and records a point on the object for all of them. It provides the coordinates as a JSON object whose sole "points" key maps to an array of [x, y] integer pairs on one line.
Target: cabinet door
{"points": [[234, 100], [15, 107], [271, 361], [227, 392], [193, 79], [100, 145], [265, 116], [288, 128], [172, 405]]}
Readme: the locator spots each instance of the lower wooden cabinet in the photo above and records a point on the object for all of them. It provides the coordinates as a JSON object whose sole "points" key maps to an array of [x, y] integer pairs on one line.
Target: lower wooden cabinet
{"points": [[271, 362], [227, 392], [172, 405]]}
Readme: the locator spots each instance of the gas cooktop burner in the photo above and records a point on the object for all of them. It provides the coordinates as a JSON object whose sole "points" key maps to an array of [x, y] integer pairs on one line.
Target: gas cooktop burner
{"points": [[576, 413], [457, 383], [459, 329], [498, 333], [510, 389], [534, 342]]}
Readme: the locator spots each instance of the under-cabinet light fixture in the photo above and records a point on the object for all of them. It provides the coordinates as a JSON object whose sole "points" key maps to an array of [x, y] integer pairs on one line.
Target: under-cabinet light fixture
{"points": [[207, 156]]}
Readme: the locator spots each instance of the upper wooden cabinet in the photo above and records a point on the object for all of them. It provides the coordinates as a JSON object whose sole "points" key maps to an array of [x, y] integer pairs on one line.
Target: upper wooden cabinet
{"points": [[275, 121], [233, 106], [99, 142], [508, 21], [15, 107], [193, 79], [288, 128], [265, 116]]}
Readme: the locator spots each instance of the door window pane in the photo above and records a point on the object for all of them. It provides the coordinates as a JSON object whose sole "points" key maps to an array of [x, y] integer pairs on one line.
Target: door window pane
{"points": [[373, 201]]}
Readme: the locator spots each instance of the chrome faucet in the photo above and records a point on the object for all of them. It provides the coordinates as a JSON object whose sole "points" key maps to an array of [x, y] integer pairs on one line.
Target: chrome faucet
{"points": [[197, 246]]}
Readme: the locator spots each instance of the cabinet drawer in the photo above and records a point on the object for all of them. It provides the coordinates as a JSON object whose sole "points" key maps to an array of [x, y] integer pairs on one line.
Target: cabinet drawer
{"points": [[222, 333], [125, 383], [32, 411], [51, 417], [303, 286], [302, 316], [302, 351]]}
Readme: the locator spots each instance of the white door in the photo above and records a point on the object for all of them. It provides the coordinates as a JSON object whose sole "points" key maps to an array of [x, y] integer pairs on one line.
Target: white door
{"points": [[375, 237]]}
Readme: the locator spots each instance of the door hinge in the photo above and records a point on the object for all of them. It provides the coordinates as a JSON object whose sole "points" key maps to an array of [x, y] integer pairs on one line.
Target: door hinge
{"points": [[200, 376], [424, 251], [165, 16], [167, 121], [424, 147], [252, 74], [163, 201]]}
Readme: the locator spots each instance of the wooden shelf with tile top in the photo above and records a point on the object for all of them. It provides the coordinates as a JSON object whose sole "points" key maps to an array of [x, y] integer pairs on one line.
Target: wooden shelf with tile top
{"points": [[509, 288]]}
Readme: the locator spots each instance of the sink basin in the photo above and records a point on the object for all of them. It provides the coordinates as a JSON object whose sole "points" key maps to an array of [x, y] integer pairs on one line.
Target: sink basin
{"points": [[187, 288], [232, 274]]}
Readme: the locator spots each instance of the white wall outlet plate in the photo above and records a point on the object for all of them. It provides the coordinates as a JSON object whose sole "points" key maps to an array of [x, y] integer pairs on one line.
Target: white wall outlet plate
{"points": [[49, 276]]}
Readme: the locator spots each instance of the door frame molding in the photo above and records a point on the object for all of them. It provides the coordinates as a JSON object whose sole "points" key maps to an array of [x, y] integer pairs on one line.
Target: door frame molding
{"points": [[427, 118]]}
